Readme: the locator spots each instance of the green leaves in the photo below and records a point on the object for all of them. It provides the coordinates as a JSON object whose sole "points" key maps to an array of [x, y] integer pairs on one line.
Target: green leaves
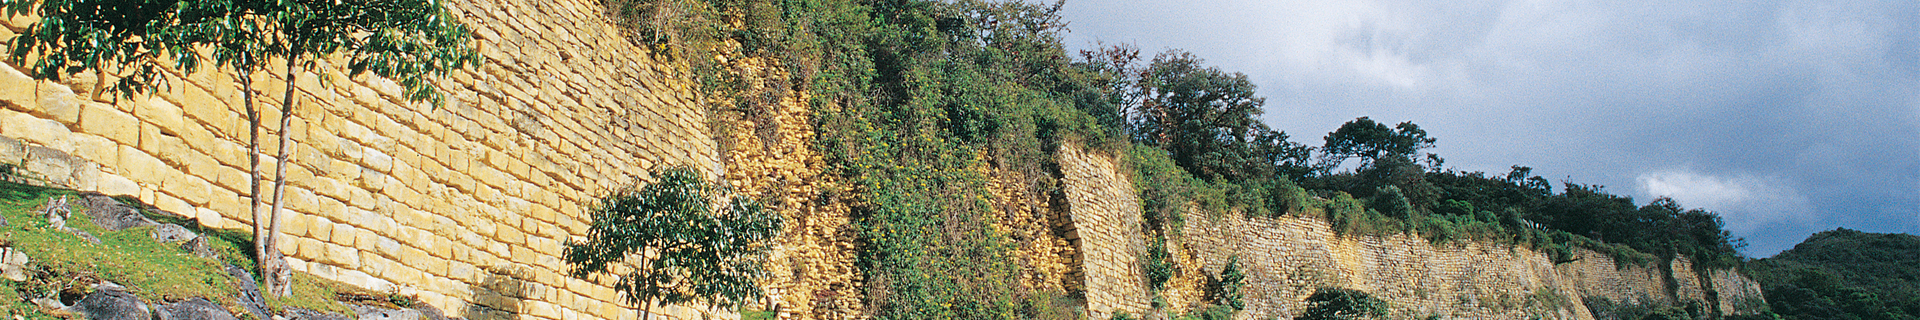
{"points": [[1372, 141], [77, 35], [406, 40], [1342, 304], [690, 248]]}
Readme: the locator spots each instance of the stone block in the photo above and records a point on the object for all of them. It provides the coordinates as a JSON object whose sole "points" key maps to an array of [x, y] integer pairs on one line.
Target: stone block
{"points": [[162, 113], [96, 149], [52, 165], [192, 189], [141, 167], [33, 129], [18, 92], [340, 255], [376, 160], [106, 121], [12, 151], [345, 234]]}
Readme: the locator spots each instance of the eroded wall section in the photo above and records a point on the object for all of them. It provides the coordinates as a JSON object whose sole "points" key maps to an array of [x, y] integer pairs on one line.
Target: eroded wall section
{"points": [[1285, 259], [467, 204], [1106, 229]]}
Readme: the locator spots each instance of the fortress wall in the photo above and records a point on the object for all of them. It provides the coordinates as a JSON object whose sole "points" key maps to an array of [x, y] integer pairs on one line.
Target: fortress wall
{"points": [[466, 204]]}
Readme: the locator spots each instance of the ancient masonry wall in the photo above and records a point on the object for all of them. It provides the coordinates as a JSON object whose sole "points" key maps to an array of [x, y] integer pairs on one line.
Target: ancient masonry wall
{"points": [[467, 204], [1106, 229], [1285, 259]]}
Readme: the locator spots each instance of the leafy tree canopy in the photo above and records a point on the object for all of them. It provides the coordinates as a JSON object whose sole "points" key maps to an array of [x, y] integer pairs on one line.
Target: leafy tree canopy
{"points": [[1342, 304], [693, 241]]}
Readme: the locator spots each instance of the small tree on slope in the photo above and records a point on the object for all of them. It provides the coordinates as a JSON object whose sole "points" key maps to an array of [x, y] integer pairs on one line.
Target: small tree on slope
{"points": [[688, 246]]}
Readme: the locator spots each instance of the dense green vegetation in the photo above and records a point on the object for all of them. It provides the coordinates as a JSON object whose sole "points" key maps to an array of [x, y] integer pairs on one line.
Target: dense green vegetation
{"points": [[1844, 274], [1342, 304], [916, 102]]}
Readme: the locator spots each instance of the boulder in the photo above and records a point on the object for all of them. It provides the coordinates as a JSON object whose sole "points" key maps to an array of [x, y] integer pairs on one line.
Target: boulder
{"points": [[298, 313], [193, 309], [378, 313], [113, 215], [249, 291], [112, 304], [13, 264], [199, 247], [170, 233], [57, 211]]}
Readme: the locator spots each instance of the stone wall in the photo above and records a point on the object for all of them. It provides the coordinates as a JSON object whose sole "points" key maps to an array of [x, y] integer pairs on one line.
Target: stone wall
{"points": [[1285, 259], [1106, 229], [466, 205]]}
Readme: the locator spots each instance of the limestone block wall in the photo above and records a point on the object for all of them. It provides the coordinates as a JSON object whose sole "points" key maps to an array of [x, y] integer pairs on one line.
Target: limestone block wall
{"points": [[1285, 259], [466, 204], [1106, 228]]}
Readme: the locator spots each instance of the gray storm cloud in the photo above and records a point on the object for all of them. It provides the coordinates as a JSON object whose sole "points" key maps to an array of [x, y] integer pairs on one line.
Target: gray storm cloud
{"points": [[1787, 117]]}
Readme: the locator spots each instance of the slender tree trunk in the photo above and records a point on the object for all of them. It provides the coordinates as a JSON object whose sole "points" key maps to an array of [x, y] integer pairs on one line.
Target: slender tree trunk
{"points": [[273, 266], [253, 158]]}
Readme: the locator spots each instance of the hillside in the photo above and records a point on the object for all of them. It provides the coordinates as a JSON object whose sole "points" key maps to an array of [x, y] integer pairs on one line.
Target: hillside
{"points": [[1844, 274], [929, 159]]}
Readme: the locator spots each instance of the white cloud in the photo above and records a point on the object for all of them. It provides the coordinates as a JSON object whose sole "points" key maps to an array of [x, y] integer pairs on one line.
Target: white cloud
{"points": [[1746, 202]]}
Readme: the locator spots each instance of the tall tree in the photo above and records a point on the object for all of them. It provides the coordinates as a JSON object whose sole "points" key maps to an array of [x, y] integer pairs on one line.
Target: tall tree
{"points": [[405, 40], [1203, 117], [1372, 141]]}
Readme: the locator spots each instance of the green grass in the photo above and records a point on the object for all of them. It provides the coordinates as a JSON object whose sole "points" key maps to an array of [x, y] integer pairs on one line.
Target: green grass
{"points": [[130, 257]]}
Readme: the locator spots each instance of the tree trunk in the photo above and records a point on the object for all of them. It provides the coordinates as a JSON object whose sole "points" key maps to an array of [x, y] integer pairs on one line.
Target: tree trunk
{"points": [[273, 266], [253, 157]]}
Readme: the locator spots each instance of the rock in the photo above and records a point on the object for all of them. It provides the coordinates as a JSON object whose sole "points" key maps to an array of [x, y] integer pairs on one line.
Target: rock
{"points": [[249, 292], [199, 247], [112, 305], [57, 211], [13, 264], [297, 313], [111, 214], [427, 311], [193, 309], [170, 233], [49, 303], [378, 313]]}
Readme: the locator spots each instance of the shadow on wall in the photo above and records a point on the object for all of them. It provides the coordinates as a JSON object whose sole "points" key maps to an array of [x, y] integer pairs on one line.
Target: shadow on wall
{"points": [[501, 295]]}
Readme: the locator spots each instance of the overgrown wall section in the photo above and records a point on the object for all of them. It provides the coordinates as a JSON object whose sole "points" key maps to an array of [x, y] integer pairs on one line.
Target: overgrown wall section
{"points": [[467, 204], [1285, 259]]}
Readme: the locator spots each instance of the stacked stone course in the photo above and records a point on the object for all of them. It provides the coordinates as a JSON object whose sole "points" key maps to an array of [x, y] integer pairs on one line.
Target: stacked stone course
{"points": [[467, 204]]}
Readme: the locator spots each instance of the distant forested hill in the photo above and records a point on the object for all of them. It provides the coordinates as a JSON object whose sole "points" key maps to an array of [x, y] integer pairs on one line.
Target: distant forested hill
{"points": [[1844, 274]]}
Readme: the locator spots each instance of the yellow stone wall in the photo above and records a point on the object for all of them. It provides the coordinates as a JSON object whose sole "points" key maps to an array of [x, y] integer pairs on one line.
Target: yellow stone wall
{"points": [[466, 205], [1106, 230], [1286, 258]]}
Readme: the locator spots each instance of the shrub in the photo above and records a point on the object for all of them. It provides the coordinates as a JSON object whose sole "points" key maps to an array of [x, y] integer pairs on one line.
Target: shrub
{"points": [[689, 248], [1342, 304]]}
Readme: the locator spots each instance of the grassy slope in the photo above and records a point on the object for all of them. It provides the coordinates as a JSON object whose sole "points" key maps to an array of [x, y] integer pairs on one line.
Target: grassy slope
{"points": [[62, 261]]}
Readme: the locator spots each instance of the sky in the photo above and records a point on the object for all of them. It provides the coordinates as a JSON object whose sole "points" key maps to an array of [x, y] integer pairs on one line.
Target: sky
{"points": [[1785, 117]]}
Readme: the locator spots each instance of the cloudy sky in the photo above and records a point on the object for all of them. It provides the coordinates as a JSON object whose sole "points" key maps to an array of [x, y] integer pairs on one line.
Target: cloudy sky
{"points": [[1786, 117]]}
